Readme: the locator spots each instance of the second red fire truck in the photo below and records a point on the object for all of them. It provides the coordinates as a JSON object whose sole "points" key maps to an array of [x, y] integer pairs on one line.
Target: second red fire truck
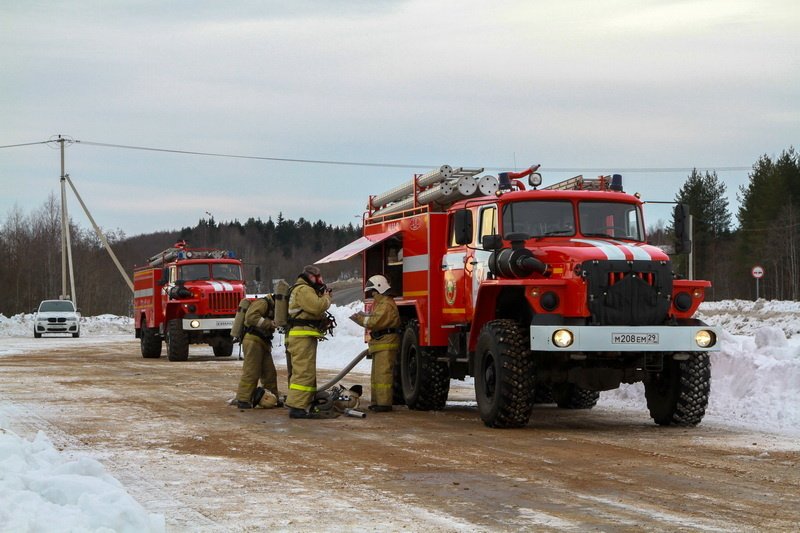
{"points": [[541, 294], [187, 296]]}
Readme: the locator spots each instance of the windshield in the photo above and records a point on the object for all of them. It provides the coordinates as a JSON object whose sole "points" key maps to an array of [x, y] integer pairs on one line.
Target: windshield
{"points": [[56, 306], [204, 271], [225, 271], [194, 272], [610, 219], [539, 218]]}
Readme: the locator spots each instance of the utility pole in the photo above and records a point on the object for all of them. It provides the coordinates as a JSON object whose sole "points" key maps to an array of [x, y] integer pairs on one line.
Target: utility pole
{"points": [[66, 245]]}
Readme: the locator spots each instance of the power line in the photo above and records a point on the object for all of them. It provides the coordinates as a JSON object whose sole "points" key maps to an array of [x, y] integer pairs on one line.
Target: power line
{"points": [[394, 165], [23, 144], [632, 170]]}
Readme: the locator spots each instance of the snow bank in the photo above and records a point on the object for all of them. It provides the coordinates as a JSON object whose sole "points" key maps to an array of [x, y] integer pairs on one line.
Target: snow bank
{"points": [[42, 490]]}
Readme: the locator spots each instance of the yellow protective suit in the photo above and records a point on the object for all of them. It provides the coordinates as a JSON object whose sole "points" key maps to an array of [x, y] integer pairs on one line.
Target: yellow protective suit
{"points": [[306, 307], [257, 346], [383, 323]]}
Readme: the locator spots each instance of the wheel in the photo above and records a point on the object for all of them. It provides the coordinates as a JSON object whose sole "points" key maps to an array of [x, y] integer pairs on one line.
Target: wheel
{"points": [[76, 334], [150, 343], [504, 375], [177, 341], [224, 348], [425, 381], [397, 386], [678, 395], [543, 393], [36, 335], [570, 396]]}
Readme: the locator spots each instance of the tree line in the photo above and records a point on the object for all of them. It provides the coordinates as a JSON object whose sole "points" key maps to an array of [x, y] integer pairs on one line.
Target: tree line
{"points": [[768, 234], [31, 246]]}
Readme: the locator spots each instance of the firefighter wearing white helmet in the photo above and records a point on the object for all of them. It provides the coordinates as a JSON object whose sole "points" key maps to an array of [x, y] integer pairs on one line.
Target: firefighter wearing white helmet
{"points": [[383, 324]]}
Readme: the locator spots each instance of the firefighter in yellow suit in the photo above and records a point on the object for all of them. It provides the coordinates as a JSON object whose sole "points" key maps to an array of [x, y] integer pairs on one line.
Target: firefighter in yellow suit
{"points": [[257, 346], [383, 323], [309, 299]]}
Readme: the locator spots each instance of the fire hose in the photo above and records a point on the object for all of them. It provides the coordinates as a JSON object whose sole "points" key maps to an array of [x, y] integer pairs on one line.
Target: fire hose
{"points": [[344, 371], [348, 412]]}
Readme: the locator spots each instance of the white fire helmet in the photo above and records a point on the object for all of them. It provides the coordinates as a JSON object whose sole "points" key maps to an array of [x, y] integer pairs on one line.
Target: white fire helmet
{"points": [[378, 283]]}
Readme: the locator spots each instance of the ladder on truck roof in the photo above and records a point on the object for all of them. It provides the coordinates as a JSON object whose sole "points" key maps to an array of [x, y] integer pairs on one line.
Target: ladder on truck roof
{"points": [[579, 183]]}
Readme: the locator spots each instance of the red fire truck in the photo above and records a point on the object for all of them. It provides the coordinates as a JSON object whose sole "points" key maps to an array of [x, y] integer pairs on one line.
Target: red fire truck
{"points": [[187, 296], [541, 294]]}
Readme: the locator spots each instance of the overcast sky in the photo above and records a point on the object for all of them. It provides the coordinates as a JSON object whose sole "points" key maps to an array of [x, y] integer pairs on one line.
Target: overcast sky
{"points": [[589, 87]]}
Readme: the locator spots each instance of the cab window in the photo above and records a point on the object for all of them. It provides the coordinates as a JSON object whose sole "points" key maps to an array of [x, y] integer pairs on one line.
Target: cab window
{"points": [[488, 222], [539, 218], [610, 219]]}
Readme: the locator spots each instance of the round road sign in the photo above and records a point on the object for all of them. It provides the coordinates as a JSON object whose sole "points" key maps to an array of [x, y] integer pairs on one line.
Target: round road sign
{"points": [[758, 272]]}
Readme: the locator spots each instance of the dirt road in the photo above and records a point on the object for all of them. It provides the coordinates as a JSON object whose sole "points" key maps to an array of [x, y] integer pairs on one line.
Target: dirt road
{"points": [[165, 431]]}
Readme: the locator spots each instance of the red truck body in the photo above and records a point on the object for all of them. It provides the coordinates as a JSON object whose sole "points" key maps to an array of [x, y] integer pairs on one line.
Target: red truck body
{"points": [[187, 296], [542, 295]]}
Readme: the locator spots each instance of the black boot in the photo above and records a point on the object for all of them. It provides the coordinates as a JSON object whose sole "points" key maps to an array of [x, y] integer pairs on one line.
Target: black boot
{"points": [[244, 405], [313, 413], [294, 412]]}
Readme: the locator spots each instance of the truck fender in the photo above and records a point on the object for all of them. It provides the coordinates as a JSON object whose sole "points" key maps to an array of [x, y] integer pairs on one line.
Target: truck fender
{"points": [[484, 312]]}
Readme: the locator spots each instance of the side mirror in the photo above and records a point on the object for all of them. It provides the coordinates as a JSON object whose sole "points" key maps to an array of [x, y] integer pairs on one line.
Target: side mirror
{"points": [[164, 277], [462, 226], [492, 242], [683, 237]]}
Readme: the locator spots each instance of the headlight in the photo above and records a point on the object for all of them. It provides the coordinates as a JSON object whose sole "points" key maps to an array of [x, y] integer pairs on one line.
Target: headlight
{"points": [[562, 338], [705, 338], [195, 324]]}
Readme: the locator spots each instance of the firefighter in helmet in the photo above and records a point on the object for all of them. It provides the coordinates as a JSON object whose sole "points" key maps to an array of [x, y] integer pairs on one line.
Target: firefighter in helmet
{"points": [[383, 323], [309, 299], [258, 364]]}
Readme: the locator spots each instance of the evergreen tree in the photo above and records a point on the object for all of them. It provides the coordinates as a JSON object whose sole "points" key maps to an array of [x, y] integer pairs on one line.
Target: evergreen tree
{"points": [[711, 220]]}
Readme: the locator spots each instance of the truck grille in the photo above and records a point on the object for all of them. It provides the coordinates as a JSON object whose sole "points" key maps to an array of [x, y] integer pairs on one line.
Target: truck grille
{"points": [[615, 277], [628, 293], [224, 302]]}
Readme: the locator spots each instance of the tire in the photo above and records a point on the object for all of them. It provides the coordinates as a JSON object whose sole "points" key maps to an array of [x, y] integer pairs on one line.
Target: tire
{"points": [[425, 381], [150, 343], [177, 341], [570, 396], [503, 375], [678, 395], [76, 334], [224, 348], [37, 335], [397, 385], [543, 393]]}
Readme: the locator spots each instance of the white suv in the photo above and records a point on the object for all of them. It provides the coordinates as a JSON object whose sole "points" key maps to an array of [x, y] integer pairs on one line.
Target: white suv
{"points": [[56, 316]]}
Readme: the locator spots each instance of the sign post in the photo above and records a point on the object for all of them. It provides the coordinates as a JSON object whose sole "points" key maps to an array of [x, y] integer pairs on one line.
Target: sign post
{"points": [[758, 273]]}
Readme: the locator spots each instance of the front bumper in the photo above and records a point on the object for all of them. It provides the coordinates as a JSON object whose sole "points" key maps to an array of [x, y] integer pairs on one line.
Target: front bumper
{"points": [[56, 327], [624, 338], [207, 324]]}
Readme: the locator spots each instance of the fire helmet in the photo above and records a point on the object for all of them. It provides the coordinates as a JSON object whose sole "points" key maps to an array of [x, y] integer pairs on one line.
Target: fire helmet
{"points": [[378, 283]]}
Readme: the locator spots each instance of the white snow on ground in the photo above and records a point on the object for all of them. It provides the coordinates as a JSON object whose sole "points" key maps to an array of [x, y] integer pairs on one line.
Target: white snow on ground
{"points": [[755, 386]]}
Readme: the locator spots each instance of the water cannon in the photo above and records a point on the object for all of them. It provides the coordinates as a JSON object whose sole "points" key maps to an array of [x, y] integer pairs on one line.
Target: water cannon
{"points": [[506, 179]]}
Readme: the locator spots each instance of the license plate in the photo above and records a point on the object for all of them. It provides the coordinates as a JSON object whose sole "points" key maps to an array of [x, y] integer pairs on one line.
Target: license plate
{"points": [[634, 338]]}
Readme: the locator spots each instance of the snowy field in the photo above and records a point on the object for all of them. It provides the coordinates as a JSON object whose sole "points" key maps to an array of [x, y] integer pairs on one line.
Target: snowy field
{"points": [[755, 385]]}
